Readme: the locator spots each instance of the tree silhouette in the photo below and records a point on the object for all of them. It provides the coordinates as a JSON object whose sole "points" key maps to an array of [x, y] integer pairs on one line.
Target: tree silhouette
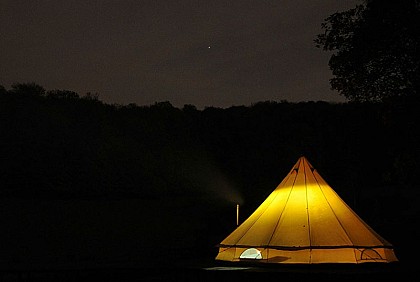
{"points": [[375, 50], [28, 89], [2, 90], [62, 94]]}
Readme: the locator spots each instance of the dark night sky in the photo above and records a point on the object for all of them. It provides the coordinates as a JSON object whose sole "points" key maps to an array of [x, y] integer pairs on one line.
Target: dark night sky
{"points": [[204, 53]]}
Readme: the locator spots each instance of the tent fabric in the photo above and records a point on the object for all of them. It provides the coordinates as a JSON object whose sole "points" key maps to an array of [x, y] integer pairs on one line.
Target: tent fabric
{"points": [[305, 221]]}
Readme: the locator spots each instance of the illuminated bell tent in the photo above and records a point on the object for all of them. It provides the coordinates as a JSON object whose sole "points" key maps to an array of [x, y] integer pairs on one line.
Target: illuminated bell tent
{"points": [[304, 221]]}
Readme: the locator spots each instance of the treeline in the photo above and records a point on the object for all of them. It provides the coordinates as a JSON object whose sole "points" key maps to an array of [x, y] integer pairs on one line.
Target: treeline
{"points": [[59, 143]]}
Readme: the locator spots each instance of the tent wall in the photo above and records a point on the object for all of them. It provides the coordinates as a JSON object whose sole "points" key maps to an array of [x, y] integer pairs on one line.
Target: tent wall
{"points": [[314, 256]]}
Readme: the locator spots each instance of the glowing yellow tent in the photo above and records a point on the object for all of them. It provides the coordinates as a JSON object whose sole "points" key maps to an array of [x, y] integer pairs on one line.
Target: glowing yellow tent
{"points": [[303, 221]]}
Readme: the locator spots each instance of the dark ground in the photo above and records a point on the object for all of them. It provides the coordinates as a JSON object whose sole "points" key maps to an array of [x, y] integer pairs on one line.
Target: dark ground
{"points": [[117, 240], [217, 271]]}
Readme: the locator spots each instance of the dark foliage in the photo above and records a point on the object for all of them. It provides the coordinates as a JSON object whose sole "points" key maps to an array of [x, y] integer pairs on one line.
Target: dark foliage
{"points": [[58, 142], [375, 49]]}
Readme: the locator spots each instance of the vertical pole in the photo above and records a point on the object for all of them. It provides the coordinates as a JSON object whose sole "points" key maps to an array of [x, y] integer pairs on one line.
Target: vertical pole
{"points": [[237, 214]]}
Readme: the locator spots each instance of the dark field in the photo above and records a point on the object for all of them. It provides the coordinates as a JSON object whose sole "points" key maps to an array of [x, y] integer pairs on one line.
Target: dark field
{"points": [[214, 271], [119, 240]]}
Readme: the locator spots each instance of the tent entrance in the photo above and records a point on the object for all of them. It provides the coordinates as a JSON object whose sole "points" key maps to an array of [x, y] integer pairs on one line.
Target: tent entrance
{"points": [[251, 253], [370, 254]]}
